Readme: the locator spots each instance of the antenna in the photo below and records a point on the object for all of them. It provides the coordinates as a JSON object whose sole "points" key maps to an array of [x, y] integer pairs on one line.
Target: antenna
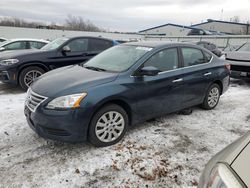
{"points": [[221, 17]]}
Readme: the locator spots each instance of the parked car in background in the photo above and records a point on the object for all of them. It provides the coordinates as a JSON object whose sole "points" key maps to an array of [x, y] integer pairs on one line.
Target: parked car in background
{"points": [[22, 44], [230, 167], [124, 85], [240, 62], [22, 67], [230, 48], [210, 46], [198, 31], [2, 39]]}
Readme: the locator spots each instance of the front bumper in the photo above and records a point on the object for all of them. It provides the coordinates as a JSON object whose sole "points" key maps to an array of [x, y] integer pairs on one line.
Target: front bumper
{"points": [[67, 126], [240, 75], [8, 75]]}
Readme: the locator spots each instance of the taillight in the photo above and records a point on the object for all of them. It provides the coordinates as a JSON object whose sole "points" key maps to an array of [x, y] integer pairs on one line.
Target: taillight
{"points": [[228, 66]]}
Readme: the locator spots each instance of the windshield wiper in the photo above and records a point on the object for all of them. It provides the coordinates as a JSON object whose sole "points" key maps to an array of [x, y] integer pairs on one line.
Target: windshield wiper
{"points": [[95, 68]]}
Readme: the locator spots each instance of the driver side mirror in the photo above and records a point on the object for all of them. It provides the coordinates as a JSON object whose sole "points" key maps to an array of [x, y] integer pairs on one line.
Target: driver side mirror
{"points": [[2, 49], [66, 49], [149, 71]]}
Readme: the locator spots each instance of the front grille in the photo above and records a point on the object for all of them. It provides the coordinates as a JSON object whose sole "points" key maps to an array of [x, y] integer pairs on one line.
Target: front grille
{"points": [[33, 100], [56, 132]]}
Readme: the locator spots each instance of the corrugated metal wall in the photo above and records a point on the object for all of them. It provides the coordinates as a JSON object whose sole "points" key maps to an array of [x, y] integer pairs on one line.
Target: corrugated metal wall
{"points": [[17, 32], [221, 41]]}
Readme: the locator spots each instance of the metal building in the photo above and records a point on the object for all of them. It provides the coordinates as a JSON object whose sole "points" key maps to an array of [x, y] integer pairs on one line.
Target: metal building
{"points": [[167, 30], [224, 27]]}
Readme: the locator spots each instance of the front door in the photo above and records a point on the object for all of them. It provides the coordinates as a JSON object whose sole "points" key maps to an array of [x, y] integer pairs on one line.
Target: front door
{"points": [[78, 53], [160, 94]]}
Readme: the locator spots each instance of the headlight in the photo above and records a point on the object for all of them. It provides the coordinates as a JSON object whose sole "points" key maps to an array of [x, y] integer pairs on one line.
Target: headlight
{"points": [[222, 177], [66, 102], [9, 61]]}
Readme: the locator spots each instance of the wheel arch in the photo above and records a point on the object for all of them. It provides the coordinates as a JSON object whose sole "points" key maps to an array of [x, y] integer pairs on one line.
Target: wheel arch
{"points": [[30, 64], [120, 102], [219, 83]]}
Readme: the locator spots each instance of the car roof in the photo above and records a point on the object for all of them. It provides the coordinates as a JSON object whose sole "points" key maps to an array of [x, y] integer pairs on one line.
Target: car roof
{"points": [[158, 44], [27, 39], [100, 37]]}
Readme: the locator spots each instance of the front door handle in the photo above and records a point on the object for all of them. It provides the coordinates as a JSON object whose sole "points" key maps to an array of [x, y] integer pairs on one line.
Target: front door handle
{"points": [[178, 80], [207, 73]]}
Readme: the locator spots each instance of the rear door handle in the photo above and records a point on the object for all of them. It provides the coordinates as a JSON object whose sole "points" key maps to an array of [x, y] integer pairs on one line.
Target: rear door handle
{"points": [[207, 73], [178, 80]]}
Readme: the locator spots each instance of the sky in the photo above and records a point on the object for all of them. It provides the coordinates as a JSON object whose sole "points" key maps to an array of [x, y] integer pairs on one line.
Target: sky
{"points": [[127, 15]]}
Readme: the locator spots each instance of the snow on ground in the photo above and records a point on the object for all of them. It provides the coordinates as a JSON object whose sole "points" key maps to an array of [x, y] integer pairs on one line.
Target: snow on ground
{"points": [[168, 152]]}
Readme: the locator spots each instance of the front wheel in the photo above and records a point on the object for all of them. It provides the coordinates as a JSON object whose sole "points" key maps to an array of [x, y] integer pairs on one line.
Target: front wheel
{"points": [[212, 97], [28, 75], [108, 126]]}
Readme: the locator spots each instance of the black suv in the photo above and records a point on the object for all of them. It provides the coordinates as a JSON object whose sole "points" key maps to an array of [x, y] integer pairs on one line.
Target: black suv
{"points": [[22, 67]]}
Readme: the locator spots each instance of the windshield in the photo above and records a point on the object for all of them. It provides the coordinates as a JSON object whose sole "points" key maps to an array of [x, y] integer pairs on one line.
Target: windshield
{"points": [[245, 47], [117, 59], [54, 44]]}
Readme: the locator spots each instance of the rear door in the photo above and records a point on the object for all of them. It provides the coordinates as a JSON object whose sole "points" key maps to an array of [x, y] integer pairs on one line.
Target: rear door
{"points": [[96, 46], [196, 75], [160, 94]]}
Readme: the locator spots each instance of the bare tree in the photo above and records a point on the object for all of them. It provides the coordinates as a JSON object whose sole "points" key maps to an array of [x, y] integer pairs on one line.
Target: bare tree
{"points": [[235, 19], [79, 24]]}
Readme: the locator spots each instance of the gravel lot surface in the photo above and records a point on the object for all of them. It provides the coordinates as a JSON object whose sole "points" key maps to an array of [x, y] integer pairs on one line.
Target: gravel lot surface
{"points": [[167, 152]]}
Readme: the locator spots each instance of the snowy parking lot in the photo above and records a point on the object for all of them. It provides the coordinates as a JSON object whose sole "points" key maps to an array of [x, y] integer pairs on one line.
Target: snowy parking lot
{"points": [[167, 152]]}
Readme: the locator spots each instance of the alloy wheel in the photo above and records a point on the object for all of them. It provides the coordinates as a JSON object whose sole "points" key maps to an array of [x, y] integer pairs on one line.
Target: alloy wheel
{"points": [[30, 76], [110, 126], [213, 97]]}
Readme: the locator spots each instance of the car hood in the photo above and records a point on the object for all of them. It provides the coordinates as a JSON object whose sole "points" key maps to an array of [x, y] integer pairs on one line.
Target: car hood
{"points": [[228, 156], [241, 165], [70, 80], [15, 53], [239, 56]]}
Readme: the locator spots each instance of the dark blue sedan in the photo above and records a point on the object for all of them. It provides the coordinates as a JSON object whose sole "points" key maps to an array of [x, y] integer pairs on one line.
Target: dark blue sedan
{"points": [[122, 86]]}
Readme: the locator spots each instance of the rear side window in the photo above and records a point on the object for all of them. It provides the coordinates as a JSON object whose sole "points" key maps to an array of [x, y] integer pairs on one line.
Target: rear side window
{"points": [[16, 45], [99, 45], [192, 56], [208, 56], [78, 45], [164, 60], [36, 45]]}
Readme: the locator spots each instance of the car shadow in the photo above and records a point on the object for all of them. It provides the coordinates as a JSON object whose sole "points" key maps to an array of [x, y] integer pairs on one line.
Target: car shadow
{"points": [[235, 82], [10, 89]]}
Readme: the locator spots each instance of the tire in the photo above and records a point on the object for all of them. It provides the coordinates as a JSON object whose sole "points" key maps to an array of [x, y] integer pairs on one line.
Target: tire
{"points": [[26, 78], [101, 122], [212, 97]]}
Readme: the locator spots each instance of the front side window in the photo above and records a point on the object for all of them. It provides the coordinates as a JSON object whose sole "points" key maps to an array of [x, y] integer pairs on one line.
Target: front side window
{"points": [[164, 60], [192, 56], [78, 45], [16, 46], [99, 44]]}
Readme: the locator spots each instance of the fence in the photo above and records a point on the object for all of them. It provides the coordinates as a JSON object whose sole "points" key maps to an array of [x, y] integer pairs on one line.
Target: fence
{"points": [[220, 41], [18, 32]]}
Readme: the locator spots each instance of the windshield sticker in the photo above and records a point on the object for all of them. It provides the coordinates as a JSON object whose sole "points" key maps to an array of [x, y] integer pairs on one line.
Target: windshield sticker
{"points": [[143, 48]]}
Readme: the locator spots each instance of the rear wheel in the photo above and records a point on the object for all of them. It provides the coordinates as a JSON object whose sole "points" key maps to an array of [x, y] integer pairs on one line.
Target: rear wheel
{"points": [[28, 75], [108, 126], [212, 97]]}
